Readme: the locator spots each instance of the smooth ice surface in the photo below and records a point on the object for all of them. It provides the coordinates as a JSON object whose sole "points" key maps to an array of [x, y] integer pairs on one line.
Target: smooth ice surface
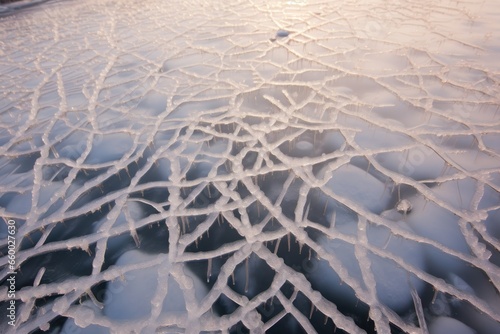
{"points": [[133, 297], [312, 166], [443, 325]]}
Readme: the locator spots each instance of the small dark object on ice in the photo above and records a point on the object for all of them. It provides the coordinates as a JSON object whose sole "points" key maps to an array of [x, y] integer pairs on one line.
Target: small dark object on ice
{"points": [[282, 33]]}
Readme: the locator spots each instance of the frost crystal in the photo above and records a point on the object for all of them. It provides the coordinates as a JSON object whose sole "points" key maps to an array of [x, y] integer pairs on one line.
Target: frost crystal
{"points": [[259, 166]]}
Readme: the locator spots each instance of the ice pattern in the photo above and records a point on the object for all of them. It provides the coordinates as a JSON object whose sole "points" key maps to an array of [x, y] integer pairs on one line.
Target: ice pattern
{"points": [[253, 166]]}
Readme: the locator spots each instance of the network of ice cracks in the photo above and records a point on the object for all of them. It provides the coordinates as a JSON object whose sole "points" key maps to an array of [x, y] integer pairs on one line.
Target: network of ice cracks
{"points": [[285, 166]]}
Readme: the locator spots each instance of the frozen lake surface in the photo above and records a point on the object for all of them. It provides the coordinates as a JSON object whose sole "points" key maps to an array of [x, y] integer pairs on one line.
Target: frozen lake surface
{"points": [[280, 167]]}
